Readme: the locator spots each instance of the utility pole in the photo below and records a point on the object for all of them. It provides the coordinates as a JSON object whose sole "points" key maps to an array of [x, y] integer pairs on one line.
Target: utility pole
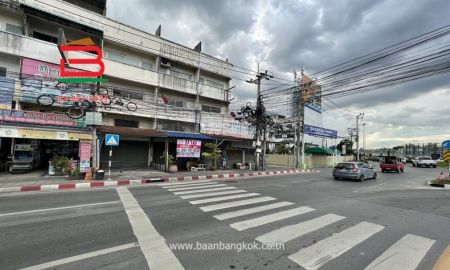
{"points": [[300, 124], [364, 138], [297, 113], [358, 117], [257, 81]]}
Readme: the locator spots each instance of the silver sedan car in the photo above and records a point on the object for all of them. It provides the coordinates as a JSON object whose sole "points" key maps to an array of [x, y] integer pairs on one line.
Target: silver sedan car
{"points": [[354, 170]]}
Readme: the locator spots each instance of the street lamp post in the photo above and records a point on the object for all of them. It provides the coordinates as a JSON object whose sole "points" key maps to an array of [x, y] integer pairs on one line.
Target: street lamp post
{"points": [[364, 139]]}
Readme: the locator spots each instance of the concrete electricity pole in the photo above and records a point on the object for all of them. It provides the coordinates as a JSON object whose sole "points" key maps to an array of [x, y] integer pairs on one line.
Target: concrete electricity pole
{"points": [[358, 117], [364, 138], [259, 77]]}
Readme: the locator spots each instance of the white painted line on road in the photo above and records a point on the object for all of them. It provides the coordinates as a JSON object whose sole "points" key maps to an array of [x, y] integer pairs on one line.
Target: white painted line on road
{"points": [[290, 232], [191, 184], [320, 253], [196, 187], [56, 208], [202, 190], [218, 199], [255, 222], [235, 203], [252, 210], [153, 246], [405, 254], [201, 195], [96, 253]]}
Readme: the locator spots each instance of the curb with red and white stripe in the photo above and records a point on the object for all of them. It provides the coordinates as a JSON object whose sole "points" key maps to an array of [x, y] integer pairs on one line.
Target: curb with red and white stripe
{"points": [[100, 184]]}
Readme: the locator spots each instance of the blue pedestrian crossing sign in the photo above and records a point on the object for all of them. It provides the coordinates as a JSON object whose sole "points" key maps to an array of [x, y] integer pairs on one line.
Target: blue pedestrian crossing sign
{"points": [[112, 139]]}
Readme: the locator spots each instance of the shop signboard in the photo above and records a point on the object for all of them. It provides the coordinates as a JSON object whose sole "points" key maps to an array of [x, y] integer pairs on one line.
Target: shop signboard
{"points": [[226, 127], [84, 152], [39, 118], [188, 148], [6, 92]]}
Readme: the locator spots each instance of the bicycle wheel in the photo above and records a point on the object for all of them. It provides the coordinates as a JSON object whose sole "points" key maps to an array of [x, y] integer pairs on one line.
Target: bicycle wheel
{"points": [[45, 100], [131, 106], [75, 112], [63, 87]]}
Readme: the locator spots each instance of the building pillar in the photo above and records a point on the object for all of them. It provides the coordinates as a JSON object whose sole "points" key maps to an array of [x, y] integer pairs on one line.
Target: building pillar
{"points": [[166, 154], [150, 152]]}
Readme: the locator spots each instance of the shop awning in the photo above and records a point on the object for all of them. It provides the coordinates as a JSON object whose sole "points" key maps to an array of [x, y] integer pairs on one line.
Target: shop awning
{"points": [[187, 135], [132, 132]]}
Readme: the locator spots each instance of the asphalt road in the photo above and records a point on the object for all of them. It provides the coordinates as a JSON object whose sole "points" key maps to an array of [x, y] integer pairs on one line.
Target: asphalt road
{"points": [[311, 220]]}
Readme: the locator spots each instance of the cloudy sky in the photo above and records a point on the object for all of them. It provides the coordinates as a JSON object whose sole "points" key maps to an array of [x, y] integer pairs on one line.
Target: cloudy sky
{"points": [[286, 34]]}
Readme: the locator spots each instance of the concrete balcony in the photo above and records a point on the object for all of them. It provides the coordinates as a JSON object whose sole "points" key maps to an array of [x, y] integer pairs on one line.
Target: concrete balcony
{"points": [[130, 73], [178, 84]]}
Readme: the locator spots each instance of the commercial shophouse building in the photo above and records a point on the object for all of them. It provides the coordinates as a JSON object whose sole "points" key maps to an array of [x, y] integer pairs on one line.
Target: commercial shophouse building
{"points": [[175, 88]]}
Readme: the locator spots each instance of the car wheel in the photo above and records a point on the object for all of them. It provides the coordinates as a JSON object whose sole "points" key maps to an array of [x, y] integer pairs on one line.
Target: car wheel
{"points": [[361, 178], [398, 171], [434, 166], [336, 178], [402, 170], [382, 171], [374, 176]]}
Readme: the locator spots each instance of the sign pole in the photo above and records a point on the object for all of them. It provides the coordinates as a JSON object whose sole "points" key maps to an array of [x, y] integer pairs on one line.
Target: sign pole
{"points": [[109, 163]]}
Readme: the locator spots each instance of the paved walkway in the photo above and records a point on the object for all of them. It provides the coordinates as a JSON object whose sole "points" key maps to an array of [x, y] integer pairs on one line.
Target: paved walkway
{"points": [[41, 177]]}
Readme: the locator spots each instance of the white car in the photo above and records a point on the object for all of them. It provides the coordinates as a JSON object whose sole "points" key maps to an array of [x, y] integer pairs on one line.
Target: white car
{"points": [[424, 162]]}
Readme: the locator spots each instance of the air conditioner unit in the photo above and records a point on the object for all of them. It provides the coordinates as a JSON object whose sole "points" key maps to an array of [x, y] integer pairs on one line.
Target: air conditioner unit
{"points": [[165, 63], [159, 127]]}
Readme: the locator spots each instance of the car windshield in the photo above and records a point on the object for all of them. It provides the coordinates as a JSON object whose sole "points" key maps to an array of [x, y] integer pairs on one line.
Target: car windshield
{"points": [[390, 160], [344, 166]]}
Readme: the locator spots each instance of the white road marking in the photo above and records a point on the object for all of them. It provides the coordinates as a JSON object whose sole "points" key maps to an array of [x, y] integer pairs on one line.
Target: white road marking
{"points": [[325, 250], [212, 194], [255, 222], [202, 190], [235, 203], [405, 254], [190, 184], [153, 246], [218, 199], [290, 232], [252, 210], [56, 208], [197, 187], [80, 257], [183, 183]]}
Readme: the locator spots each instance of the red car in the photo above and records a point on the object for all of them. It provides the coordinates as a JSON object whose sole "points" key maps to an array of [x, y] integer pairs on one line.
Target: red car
{"points": [[392, 163]]}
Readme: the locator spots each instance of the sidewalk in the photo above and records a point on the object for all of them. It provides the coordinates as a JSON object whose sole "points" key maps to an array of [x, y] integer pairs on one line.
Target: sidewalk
{"points": [[40, 181]]}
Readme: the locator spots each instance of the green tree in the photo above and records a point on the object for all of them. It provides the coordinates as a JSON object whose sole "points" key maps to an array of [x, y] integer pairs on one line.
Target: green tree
{"points": [[212, 152], [348, 146], [282, 149]]}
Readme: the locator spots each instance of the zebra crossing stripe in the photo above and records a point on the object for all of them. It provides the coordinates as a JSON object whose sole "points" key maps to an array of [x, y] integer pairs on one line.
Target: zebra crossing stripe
{"points": [[235, 203], [164, 185], [405, 254], [320, 253], [218, 199], [201, 195], [173, 185], [252, 210], [202, 190], [255, 222], [196, 187], [290, 232]]}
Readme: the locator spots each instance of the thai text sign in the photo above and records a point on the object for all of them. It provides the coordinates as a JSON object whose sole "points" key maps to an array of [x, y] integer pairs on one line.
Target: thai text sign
{"points": [[84, 152], [320, 132], [31, 117], [188, 148]]}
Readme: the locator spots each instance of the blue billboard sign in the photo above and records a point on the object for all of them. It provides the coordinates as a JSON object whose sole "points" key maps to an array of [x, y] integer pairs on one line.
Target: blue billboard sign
{"points": [[446, 144], [320, 132]]}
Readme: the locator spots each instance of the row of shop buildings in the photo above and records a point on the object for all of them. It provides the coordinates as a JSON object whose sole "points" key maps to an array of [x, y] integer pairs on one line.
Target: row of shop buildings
{"points": [[180, 93]]}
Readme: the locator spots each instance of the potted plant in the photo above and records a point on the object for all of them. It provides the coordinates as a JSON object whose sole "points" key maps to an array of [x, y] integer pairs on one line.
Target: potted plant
{"points": [[212, 153], [75, 174], [173, 167], [60, 164]]}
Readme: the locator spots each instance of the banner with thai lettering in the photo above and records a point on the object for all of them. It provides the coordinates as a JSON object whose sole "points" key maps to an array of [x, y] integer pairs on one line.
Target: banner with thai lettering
{"points": [[225, 126], [84, 152], [188, 148], [320, 132], [31, 117]]}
